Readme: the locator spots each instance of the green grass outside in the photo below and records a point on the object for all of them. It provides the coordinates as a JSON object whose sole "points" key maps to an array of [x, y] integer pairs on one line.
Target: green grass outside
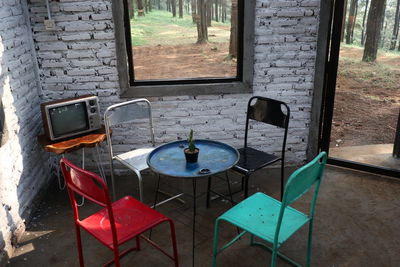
{"points": [[383, 51], [160, 28], [369, 72]]}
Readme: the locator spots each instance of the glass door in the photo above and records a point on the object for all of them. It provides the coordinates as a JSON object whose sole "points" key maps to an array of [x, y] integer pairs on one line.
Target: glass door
{"points": [[362, 101]]}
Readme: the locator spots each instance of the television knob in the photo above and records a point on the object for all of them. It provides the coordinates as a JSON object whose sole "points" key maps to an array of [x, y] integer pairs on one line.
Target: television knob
{"points": [[92, 102], [93, 110]]}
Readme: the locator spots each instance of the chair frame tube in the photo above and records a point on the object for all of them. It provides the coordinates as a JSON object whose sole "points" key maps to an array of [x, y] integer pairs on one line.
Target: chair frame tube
{"points": [[286, 127], [109, 143], [108, 205], [285, 202]]}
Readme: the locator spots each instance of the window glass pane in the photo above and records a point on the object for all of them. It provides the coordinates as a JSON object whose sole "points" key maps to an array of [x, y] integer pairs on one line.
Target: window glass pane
{"points": [[184, 39], [367, 93]]}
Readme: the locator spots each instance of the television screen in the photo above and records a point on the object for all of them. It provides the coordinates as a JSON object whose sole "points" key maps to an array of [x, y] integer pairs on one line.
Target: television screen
{"points": [[68, 119]]}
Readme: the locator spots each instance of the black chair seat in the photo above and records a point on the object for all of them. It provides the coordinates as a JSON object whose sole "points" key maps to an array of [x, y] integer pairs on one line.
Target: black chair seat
{"points": [[252, 159]]}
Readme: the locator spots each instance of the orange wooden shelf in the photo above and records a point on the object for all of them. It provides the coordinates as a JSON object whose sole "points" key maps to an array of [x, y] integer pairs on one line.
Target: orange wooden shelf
{"points": [[72, 144]]}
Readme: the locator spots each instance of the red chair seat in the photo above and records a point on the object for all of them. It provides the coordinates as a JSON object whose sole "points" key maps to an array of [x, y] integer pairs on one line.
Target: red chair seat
{"points": [[117, 222], [132, 217]]}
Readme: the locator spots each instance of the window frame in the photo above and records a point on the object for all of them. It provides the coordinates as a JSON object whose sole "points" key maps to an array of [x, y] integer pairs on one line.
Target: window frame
{"points": [[243, 83]]}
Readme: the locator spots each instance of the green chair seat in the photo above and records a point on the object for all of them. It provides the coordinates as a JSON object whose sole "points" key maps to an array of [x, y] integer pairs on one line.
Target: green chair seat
{"points": [[259, 214]]}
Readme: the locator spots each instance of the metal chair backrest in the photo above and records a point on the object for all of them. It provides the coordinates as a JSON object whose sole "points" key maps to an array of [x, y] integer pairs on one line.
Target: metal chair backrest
{"points": [[84, 183], [300, 182], [128, 112], [269, 111], [88, 185], [304, 178]]}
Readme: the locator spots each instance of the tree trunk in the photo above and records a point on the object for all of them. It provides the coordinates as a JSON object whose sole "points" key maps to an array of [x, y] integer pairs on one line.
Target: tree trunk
{"points": [[355, 19], [399, 46], [193, 2], [343, 21], [363, 23], [209, 12], [150, 5], [383, 38], [146, 6], [173, 8], [180, 5], [383, 30], [201, 19], [216, 10], [234, 33], [373, 30], [131, 9], [140, 8], [395, 27], [159, 4], [351, 21], [223, 11]]}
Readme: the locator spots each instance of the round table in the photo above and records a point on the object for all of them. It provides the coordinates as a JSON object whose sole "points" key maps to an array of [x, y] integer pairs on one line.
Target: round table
{"points": [[214, 157]]}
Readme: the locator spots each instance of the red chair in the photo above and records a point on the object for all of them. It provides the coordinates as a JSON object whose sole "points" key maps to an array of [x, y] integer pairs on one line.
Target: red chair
{"points": [[117, 222]]}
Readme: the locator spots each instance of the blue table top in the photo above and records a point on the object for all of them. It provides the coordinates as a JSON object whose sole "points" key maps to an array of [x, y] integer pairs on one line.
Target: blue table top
{"points": [[169, 159]]}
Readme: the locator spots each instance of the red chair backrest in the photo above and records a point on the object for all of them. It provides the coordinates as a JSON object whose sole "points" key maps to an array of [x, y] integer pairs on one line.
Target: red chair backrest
{"points": [[90, 186], [85, 183]]}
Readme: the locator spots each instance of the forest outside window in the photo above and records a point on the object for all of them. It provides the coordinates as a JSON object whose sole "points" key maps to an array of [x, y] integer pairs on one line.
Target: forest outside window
{"points": [[185, 42]]}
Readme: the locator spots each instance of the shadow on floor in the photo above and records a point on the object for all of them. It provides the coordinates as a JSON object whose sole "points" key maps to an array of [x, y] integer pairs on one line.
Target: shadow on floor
{"points": [[356, 224]]}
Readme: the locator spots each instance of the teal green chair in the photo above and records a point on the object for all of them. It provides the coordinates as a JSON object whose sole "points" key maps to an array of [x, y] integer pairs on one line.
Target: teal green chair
{"points": [[274, 221]]}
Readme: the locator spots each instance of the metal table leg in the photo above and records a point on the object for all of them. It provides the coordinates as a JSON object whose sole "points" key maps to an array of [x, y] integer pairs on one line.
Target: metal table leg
{"points": [[194, 219]]}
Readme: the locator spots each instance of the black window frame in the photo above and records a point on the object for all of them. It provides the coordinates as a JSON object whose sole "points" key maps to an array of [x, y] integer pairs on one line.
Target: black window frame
{"points": [[242, 83]]}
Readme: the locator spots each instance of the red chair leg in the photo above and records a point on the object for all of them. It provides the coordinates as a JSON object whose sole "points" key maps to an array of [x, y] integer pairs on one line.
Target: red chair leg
{"points": [[79, 243], [174, 247], [116, 257]]}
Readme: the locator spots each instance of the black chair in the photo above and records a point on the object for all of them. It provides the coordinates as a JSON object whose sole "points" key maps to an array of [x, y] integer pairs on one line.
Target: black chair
{"points": [[269, 111]]}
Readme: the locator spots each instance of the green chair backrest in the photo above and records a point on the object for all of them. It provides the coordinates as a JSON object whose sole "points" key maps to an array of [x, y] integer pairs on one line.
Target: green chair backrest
{"points": [[304, 178], [298, 184]]}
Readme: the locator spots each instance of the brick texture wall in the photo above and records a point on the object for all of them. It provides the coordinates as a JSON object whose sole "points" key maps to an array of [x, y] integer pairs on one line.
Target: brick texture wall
{"points": [[79, 57], [23, 164], [285, 51]]}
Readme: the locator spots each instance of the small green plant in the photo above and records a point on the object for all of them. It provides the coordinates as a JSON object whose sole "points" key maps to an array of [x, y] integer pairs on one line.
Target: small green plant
{"points": [[190, 140]]}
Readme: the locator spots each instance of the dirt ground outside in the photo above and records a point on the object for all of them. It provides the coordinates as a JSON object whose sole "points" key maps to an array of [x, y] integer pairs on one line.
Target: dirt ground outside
{"points": [[367, 94], [183, 61], [367, 100]]}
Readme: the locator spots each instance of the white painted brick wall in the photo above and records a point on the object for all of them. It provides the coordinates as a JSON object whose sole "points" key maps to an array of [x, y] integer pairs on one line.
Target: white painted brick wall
{"points": [[79, 57], [23, 163]]}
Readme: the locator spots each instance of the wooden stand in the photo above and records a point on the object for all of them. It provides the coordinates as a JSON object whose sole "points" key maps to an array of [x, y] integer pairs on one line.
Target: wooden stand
{"points": [[66, 146]]}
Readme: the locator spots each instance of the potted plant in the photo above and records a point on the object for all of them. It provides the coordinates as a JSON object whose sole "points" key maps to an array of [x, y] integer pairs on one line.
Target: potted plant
{"points": [[191, 152]]}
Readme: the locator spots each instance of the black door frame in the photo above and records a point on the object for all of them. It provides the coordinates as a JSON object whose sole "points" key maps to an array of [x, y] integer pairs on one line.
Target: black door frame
{"points": [[329, 88]]}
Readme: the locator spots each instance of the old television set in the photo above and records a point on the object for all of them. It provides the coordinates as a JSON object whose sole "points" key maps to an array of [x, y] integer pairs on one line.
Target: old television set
{"points": [[70, 117]]}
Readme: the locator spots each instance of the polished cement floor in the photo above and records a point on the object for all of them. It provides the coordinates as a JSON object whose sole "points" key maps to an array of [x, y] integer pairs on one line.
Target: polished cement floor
{"points": [[357, 223], [375, 155]]}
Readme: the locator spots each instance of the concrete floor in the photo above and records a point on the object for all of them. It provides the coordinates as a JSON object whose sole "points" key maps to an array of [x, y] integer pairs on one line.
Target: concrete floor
{"points": [[376, 155], [356, 224]]}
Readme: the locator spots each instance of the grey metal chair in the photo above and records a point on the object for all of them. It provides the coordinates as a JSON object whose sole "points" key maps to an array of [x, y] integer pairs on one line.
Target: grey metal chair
{"points": [[124, 114]]}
